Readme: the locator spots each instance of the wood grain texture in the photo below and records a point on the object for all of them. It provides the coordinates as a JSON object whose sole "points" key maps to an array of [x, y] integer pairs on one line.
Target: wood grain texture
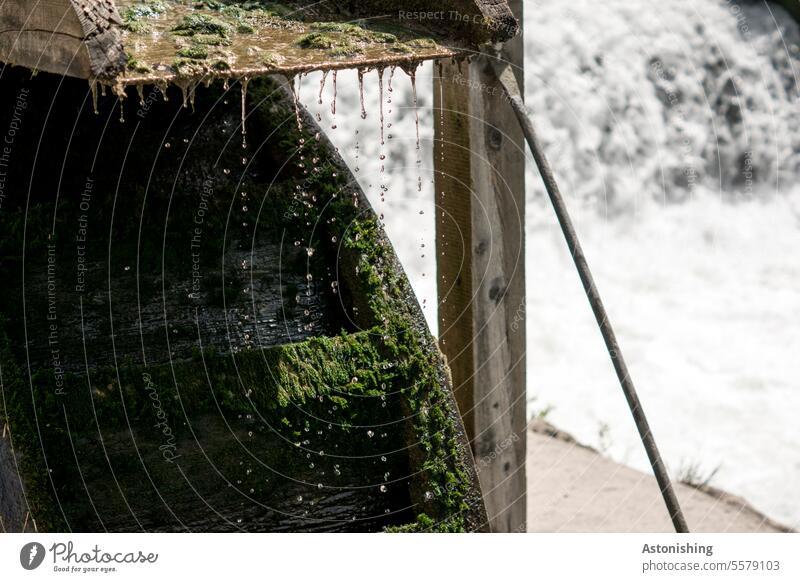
{"points": [[454, 198], [78, 38], [480, 186]]}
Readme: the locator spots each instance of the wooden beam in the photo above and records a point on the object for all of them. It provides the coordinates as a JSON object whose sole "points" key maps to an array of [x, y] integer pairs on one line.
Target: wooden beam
{"points": [[480, 195], [78, 38], [88, 38]]}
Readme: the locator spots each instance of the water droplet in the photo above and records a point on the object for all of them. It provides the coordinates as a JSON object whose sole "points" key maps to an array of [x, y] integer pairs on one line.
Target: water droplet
{"points": [[333, 102]]}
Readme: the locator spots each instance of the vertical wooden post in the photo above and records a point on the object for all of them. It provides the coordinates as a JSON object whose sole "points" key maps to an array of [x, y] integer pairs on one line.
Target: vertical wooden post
{"points": [[479, 159]]}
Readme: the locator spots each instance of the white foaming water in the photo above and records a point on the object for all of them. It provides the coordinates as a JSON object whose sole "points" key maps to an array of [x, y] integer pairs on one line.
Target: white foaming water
{"points": [[674, 129]]}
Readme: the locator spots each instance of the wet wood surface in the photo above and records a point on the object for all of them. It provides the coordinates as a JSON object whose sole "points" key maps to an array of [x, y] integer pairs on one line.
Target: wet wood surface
{"points": [[128, 42], [480, 187]]}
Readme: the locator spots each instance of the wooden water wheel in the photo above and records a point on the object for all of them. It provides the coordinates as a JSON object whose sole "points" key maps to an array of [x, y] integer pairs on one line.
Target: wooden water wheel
{"points": [[198, 336]]}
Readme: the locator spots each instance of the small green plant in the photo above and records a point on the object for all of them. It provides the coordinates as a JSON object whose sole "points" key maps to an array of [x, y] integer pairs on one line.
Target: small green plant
{"points": [[692, 474], [603, 437]]}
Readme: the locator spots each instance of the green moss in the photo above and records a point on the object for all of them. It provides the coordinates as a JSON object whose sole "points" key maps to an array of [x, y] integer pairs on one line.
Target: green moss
{"points": [[197, 23], [282, 386], [354, 32], [425, 524], [17, 415], [324, 41], [342, 39], [147, 9], [271, 59], [241, 8], [134, 18], [137, 66], [138, 27], [211, 40], [421, 43], [187, 67], [401, 48], [194, 52]]}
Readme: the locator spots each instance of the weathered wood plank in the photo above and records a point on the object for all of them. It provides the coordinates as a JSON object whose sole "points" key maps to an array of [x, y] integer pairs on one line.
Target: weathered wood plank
{"points": [[78, 38], [45, 35], [480, 186], [184, 42]]}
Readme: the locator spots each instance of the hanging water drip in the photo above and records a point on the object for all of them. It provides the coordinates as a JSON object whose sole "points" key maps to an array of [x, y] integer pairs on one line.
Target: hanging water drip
{"points": [[296, 98], [333, 103], [192, 94], [411, 71], [93, 88], [380, 100], [140, 92], [184, 96], [162, 87], [441, 107], [322, 86], [245, 81], [361, 92]]}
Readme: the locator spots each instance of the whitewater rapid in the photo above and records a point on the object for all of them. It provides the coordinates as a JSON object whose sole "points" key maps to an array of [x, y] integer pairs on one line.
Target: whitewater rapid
{"points": [[674, 129]]}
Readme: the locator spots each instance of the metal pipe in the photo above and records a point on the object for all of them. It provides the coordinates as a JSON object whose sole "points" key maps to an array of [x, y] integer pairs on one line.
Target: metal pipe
{"points": [[506, 77]]}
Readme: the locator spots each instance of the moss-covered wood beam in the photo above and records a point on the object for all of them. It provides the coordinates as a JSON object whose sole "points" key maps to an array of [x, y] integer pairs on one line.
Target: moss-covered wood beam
{"points": [[126, 42]]}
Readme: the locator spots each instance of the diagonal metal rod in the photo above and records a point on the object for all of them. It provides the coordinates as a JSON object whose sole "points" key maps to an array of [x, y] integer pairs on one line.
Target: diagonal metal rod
{"points": [[505, 75]]}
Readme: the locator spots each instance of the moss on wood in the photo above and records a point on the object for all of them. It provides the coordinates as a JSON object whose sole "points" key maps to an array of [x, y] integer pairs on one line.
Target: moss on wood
{"points": [[345, 377]]}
